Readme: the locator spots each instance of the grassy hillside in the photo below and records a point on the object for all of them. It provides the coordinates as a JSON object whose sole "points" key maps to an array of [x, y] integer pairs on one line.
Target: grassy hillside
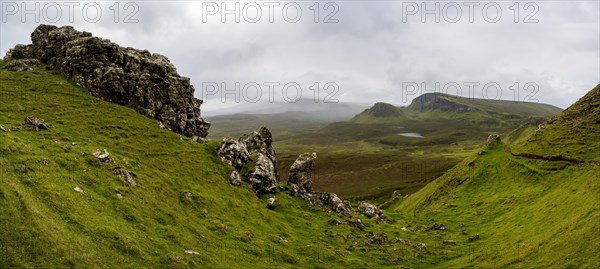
{"points": [[528, 212], [539, 214], [45, 223], [573, 134]]}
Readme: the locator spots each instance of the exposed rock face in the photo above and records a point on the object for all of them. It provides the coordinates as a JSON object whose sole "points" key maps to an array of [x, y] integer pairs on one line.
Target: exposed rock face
{"points": [[263, 175], [22, 65], [300, 176], [146, 82], [432, 101]]}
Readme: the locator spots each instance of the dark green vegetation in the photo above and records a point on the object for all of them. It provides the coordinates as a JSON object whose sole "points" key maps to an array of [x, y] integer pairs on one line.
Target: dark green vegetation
{"points": [[366, 158], [527, 212]]}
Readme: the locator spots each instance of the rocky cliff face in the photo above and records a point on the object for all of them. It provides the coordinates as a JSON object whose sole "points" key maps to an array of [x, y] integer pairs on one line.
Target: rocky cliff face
{"points": [[146, 82], [432, 101]]}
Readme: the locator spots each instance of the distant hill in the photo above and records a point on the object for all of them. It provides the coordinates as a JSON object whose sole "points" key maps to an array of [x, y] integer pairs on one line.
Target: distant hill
{"points": [[380, 113], [457, 104], [437, 105]]}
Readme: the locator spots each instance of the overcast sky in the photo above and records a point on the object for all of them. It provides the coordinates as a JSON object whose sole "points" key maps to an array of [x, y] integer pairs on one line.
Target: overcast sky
{"points": [[370, 49]]}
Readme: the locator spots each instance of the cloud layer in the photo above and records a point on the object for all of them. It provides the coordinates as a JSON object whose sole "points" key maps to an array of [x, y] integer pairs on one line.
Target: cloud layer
{"points": [[373, 49]]}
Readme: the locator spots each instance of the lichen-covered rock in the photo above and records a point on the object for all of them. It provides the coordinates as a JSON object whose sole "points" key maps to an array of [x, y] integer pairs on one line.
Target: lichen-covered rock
{"points": [[102, 157], [370, 210], [324, 199], [36, 123], [262, 174], [20, 65], [235, 179], [300, 176], [146, 82]]}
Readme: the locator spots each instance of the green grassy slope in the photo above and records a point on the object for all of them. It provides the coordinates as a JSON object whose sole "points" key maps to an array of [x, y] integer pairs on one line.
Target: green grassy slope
{"points": [[44, 223], [573, 134], [537, 215], [529, 213]]}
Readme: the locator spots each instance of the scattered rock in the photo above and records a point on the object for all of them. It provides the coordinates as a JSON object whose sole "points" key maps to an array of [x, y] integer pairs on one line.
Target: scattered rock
{"points": [[300, 176], [335, 222], [119, 195], [358, 224], [3, 129], [327, 199], [118, 238], [474, 237], [420, 245], [146, 82], [370, 210], [449, 242], [396, 194], [80, 190], [234, 178], [36, 123], [122, 173], [103, 157], [204, 212], [20, 65], [191, 252], [405, 229], [271, 203], [188, 195], [438, 226]]}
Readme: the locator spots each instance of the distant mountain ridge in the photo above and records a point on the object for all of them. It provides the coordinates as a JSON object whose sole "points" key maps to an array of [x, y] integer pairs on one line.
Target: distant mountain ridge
{"points": [[436, 105]]}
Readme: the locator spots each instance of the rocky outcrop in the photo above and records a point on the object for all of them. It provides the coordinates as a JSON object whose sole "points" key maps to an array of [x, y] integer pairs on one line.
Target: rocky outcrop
{"points": [[370, 210], [20, 65], [146, 82], [254, 154], [300, 176], [324, 199], [493, 139]]}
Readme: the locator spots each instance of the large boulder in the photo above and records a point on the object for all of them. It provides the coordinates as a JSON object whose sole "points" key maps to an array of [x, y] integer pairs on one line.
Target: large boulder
{"points": [[260, 171], [300, 176], [144, 81]]}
